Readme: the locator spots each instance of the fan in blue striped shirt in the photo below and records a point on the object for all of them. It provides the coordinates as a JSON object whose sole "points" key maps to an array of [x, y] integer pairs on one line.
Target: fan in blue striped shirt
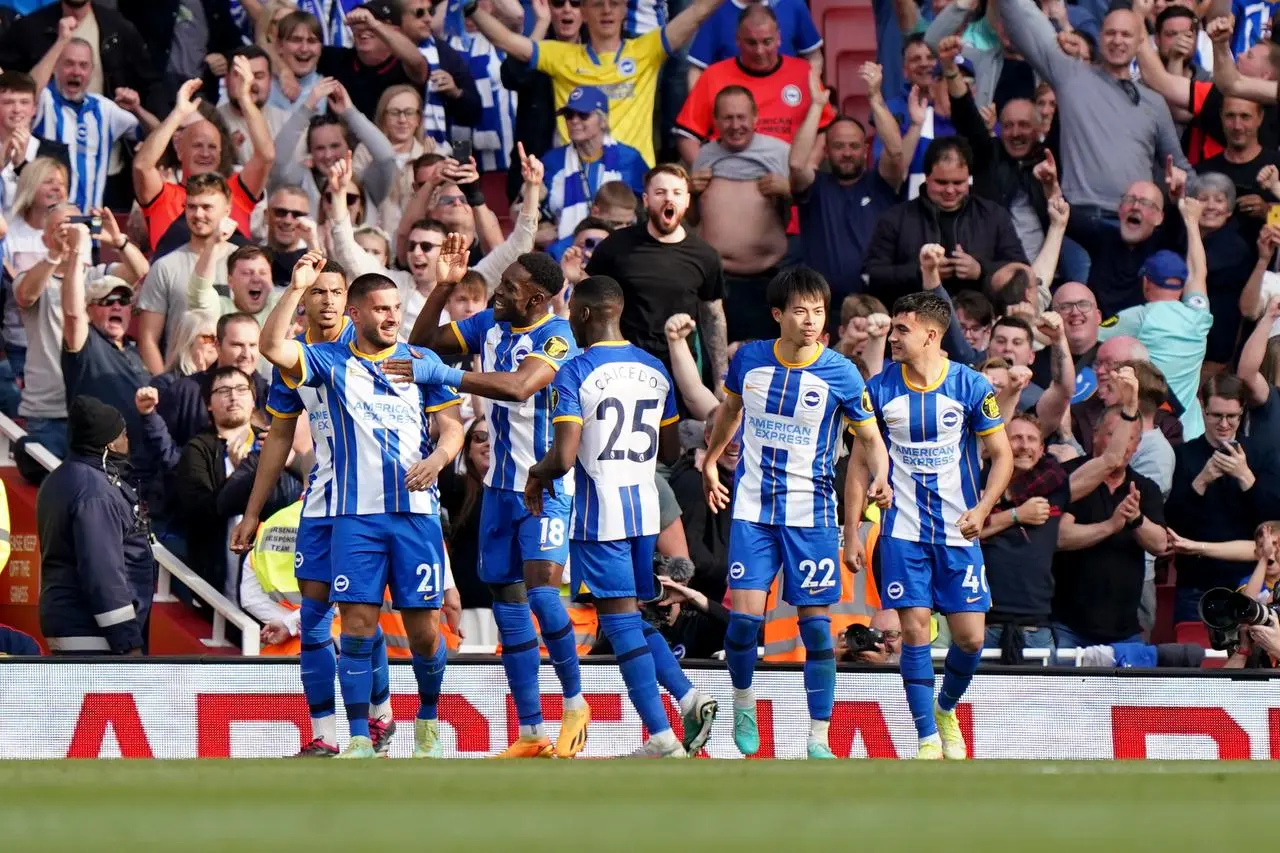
{"points": [[575, 172]]}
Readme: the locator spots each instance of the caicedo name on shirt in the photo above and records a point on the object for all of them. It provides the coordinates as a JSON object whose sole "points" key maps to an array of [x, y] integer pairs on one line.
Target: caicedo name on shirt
{"points": [[636, 372]]}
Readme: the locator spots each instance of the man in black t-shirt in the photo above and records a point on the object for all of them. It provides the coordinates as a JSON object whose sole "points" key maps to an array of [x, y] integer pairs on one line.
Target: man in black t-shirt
{"points": [[1104, 536], [665, 269], [1241, 160]]}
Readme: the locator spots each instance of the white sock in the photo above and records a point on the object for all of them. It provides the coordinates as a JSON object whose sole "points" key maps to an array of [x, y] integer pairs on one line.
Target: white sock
{"points": [[818, 730], [325, 728], [532, 731], [381, 711], [933, 738], [574, 703], [664, 740], [937, 709], [688, 700], [744, 698]]}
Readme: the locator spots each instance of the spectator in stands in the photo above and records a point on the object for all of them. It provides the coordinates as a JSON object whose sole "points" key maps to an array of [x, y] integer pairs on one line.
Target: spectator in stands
{"points": [[1000, 73], [977, 234], [1243, 162], [120, 55], [839, 208], [560, 20], [591, 232], [1214, 497], [399, 117], [1078, 307], [328, 140], [743, 192], [576, 172], [1176, 30], [462, 495], [614, 207], [287, 219], [299, 37], [237, 122], [1228, 259], [725, 35], [202, 149], [666, 269], [853, 332], [976, 318], [1087, 414], [97, 572], [1099, 567], [162, 300], [635, 61], [383, 57], [248, 284], [1110, 126], [39, 297], [706, 532], [87, 123], [1174, 323], [193, 349], [183, 407], [18, 145], [777, 81], [454, 96], [1258, 370], [215, 475]]}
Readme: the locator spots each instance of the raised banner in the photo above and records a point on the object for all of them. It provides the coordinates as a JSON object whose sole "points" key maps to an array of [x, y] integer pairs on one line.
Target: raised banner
{"points": [[256, 710]]}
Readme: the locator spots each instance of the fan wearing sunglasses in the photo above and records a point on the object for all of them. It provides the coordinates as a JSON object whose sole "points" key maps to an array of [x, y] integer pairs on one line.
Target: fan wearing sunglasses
{"points": [[626, 68]]}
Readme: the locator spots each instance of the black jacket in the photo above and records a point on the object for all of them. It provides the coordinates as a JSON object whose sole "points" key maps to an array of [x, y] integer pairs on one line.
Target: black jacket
{"points": [[535, 115], [182, 403], [982, 227], [996, 174], [1113, 270], [97, 574], [126, 61], [155, 20], [208, 498]]}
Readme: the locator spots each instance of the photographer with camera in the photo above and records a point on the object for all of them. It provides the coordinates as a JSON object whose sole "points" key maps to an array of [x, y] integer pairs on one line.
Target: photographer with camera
{"points": [[691, 623], [877, 643], [1244, 621]]}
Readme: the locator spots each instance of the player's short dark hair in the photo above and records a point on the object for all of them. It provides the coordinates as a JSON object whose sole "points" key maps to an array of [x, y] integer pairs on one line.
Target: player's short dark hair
{"points": [[228, 371], [543, 271], [801, 282], [975, 306], [926, 306], [1013, 321], [731, 91], [333, 267], [597, 290], [252, 52], [592, 223], [246, 253], [666, 169], [428, 224], [209, 182], [227, 320], [1171, 12], [18, 81], [615, 194], [946, 148], [368, 283]]}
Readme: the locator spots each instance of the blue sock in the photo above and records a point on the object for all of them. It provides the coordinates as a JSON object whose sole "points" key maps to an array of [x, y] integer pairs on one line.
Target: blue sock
{"points": [[917, 676], [740, 647], [355, 675], [819, 666], [557, 633], [626, 634], [520, 659], [381, 674], [429, 673], [957, 672], [318, 660], [670, 675]]}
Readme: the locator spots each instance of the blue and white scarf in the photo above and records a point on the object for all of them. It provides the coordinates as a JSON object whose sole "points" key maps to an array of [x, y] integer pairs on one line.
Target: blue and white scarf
{"points": [[494, 137]]}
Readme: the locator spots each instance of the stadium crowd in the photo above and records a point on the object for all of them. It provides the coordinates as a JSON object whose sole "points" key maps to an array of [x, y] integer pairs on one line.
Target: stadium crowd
{"points": [[1093, 188]]}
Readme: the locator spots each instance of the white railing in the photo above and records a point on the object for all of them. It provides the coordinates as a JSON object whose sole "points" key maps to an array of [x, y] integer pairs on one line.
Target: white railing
{"points": [[224, 611]]}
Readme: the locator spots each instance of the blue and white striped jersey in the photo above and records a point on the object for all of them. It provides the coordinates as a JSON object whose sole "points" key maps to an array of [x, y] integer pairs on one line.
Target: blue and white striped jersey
{"points": [[791, 426], [643, 16], [1251, 17], [380, 430], [572, 184], [519, 433], [286, 402], [495, 136], [932, 436], [622, 396], [88, 128], [331, 13]]}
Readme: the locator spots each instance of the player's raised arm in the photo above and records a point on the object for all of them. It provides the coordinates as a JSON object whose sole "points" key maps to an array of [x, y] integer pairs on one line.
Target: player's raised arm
{"points": [[451, 266], [728, 416], [275, 345]]}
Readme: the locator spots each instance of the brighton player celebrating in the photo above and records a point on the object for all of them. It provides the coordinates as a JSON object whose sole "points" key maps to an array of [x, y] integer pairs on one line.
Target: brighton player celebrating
{"points": [[521, 345], [615, 414], [933, 412], [795, 394], [386, 527], [324, 303]]}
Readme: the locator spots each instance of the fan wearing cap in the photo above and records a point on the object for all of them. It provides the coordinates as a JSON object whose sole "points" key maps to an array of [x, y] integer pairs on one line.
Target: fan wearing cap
{"points": [[96, 354], [575, 172], [1174, 323]]}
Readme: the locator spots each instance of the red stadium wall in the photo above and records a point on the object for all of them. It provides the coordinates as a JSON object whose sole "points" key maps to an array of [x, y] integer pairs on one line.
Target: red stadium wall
{"points": [[218, 709]]}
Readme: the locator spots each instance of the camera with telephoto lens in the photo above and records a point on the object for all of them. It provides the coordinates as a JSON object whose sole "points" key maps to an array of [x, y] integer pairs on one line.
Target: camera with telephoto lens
{"points": [[862, 638], [1224, 611], [678, 569]]}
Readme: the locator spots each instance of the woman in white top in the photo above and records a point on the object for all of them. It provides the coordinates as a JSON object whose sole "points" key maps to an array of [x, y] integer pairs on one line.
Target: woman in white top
{"points": [[399, 117], [41, 187]]}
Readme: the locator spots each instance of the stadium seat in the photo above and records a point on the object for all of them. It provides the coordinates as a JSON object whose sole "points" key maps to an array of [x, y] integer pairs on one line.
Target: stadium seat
{"points": [[819, 9], [848, 30], [858, 107]]}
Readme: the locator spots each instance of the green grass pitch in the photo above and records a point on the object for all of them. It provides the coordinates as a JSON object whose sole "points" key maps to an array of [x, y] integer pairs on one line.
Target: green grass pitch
{"points": [[588, 806]]}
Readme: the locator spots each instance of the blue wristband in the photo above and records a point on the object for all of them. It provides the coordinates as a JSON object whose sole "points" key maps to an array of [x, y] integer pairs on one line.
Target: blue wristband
{"points": [[451, 376]]}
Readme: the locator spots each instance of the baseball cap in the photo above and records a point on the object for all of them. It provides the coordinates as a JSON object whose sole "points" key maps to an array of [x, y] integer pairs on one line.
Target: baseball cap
{"points": [[105, 286], [1086, 385], [586, 99], [1166, 270], [383, 10]]}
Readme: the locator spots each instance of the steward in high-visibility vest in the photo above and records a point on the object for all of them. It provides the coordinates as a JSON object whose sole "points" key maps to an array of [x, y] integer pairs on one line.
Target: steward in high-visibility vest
{"points": [[859, 600]]}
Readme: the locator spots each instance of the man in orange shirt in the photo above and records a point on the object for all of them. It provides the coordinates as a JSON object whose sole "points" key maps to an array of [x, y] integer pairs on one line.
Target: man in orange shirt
{"points": [[779, 85], [202, 148]]}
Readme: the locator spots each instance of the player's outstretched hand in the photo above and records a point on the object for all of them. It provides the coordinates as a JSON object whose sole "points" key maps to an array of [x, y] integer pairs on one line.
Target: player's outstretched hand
{"points": [[971, 523], [716, 491], [243, 534], [451, 263], [423, 474]]}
